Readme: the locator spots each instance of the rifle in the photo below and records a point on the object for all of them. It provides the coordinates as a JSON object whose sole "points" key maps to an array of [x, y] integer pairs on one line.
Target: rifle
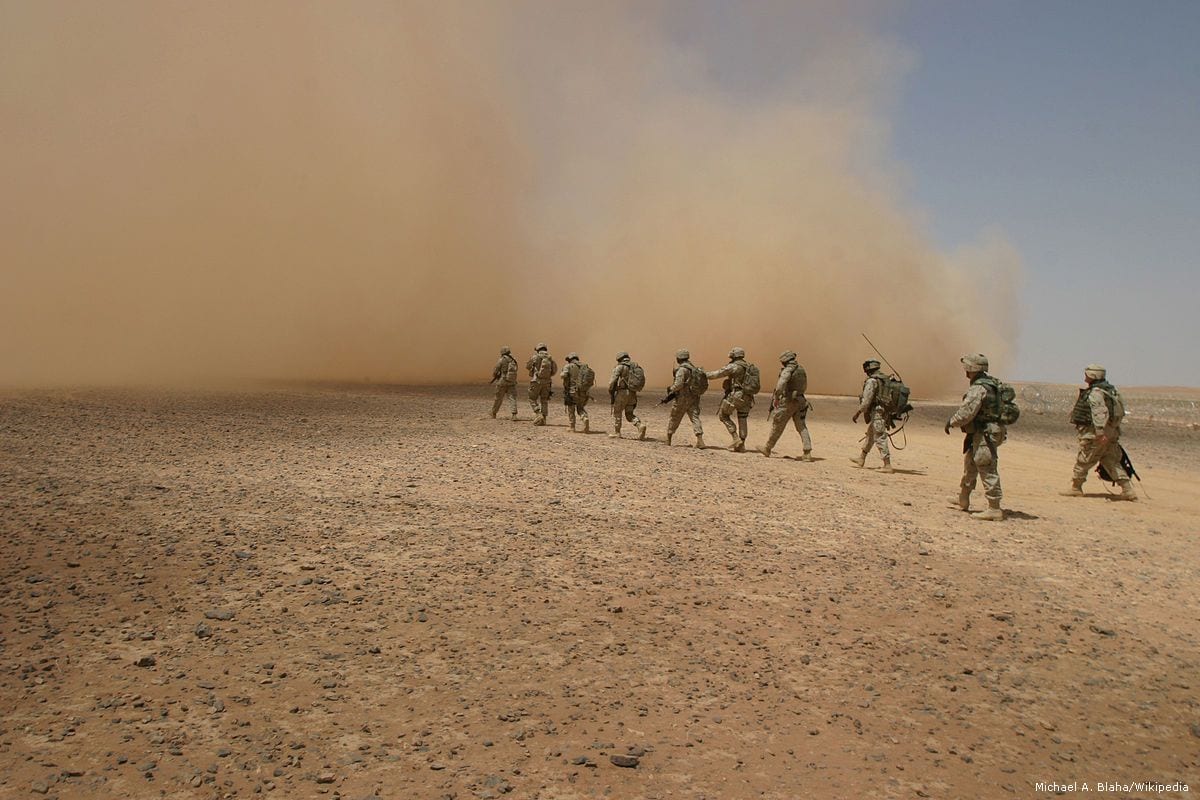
{"points": [[494, 379], [612, 396], [1125, 462], [670, 396], [771, 408]]}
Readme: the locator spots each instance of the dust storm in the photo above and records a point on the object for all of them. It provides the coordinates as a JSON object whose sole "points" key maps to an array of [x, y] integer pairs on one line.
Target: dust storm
{"points": [[390, 192]]}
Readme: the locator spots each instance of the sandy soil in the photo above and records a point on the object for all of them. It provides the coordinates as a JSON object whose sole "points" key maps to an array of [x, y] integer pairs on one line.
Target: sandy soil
{"points": [[373, 591]]}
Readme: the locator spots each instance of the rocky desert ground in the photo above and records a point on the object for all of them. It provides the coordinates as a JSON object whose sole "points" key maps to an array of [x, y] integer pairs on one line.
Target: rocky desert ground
{"points": [[374, 591]]}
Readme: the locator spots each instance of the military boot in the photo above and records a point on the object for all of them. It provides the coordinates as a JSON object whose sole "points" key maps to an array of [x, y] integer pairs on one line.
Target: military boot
{"points": [[513, 417], [807, 456], [587, 426], [964, 500], [766, 451], [572, 426], [669, 435], [615, 435], [493, 415], [539, 420], [735, 445], [887, 468], [994, 512], [1076, 490], [699, 442], [1127, 492], [858, 462], [641, 432]]}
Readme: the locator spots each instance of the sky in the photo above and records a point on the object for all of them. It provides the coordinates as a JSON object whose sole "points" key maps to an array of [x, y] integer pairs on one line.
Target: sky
{"points": [[389, 190], [1074, 129]]}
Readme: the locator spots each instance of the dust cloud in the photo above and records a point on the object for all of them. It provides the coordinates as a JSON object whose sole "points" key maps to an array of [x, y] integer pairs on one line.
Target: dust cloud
{"points": [[390, 191]]}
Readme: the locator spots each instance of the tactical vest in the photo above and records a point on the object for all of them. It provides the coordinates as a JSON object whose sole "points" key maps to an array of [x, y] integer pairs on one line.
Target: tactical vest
{"points": [[998, 404], [1081, 413]]}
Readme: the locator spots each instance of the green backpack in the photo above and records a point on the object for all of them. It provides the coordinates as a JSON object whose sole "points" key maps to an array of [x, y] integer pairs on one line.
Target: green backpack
{"points": [[698, 381], [893, 396], [1000, 405], [751, 380]]}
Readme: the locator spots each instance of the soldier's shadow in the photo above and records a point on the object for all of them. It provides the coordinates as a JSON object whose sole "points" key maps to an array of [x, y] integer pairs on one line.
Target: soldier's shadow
{"points": [[1010, 514], [899, 471]]}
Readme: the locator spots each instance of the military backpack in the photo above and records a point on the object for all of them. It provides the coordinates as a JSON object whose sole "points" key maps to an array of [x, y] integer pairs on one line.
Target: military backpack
{"points": [[797, 383], [1000, 404], [635, 377], [751, 380], [509, 371], [585, 379], [893, 396], [544, 368], [698, 380]]}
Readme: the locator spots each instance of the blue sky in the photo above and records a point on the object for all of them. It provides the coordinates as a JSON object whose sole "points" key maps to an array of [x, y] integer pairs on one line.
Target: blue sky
{"points": [[1074, 129]]}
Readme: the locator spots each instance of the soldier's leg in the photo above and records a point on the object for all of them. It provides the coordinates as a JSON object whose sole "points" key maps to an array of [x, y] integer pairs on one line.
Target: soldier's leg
{"points": [[678, 409], [512, 400], [581, 408], [500, 391], [743, 424], [779, 419], [631, 415], [725, 414], [618, 410], [800, 420], [534, 401], [545, 401], [1087, 457], [570, 415], [697, 428], [970, 474], [879, 426]]}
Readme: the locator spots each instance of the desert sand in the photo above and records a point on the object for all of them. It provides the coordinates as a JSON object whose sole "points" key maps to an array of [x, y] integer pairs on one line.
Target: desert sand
{"points": [[360, 591]]}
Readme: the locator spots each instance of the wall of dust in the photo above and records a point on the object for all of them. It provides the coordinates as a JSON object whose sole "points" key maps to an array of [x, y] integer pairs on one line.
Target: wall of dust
{"points": [[391, 191]]}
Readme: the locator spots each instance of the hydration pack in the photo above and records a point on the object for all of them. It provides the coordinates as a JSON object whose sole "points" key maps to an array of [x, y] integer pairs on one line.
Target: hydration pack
{"points": [[635, 377], [751, 380]]}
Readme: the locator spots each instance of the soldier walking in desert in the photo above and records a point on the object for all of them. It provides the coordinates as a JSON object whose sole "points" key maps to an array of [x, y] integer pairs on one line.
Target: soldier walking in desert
{"points": [[541, 368], [980, 418], [688, 385], [1097, 416], [577, 381], [504, 375], [876, 416], [741, 384], [789, 404], [627, 380]]}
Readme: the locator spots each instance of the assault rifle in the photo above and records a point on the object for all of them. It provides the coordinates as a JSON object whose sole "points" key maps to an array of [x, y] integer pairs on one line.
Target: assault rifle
{"points": [[1125, 462], [670, 396], [494, 379]]}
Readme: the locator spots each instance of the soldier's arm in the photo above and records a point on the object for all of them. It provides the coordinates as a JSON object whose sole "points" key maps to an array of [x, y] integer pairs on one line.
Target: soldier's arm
{"points": [[781, 388], [615, 379], [868, 395], [972, 402], [530, 366], [499, 371], [681, 376], [1099, 407], [724, 371]]}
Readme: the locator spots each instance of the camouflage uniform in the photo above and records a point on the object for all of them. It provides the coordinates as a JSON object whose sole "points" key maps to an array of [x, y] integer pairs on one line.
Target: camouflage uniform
{"points": [[789, 405], [1099, 430], [505, 375], [575, 397], [686, 401], [877, 418], [982, 443], [540, 386], [624, 399], [737, 400]]}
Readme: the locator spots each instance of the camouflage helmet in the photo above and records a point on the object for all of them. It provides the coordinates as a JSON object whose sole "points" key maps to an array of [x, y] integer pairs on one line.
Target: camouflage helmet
{"points": [[572, 356], [541, 346], [737, 352], [682, 355], [504, 351], [621, 356], [786, 356], [870, 365], [975, 362], [1095, 372]]}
